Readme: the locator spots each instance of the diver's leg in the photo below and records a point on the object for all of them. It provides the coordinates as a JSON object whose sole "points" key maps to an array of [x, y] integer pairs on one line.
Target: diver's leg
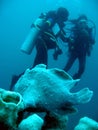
{"points": [[82, 61], [14, 81], [41, 56], [70, 62]]}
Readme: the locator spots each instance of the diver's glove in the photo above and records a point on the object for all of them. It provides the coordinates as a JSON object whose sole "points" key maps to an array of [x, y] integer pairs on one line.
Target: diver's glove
{"points": [[57, 53]]}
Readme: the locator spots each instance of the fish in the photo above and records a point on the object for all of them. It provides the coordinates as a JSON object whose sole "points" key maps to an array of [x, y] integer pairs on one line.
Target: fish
{"points": [[49, 90]]}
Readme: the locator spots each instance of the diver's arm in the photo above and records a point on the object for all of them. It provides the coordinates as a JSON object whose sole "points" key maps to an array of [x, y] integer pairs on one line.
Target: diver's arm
{"points": [[47, 25], [61, 34]]}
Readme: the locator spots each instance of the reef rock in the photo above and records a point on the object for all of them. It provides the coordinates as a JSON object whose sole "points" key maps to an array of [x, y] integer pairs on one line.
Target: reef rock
{"points": [[11, 104], [33, 122], [49, 90], [87, 123]]}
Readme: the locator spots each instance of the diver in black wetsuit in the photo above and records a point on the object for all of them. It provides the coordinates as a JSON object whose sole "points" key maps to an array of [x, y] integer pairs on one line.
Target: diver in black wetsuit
{"points": [[47, 39], [80, 45]]}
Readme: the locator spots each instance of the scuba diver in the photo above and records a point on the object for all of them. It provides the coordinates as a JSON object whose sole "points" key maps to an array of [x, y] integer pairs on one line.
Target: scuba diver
{"points": [[80, 44], [47, 38], [43, 35]]}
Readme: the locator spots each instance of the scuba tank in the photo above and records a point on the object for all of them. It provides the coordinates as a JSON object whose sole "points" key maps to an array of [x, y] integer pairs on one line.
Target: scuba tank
{"points": [[30, 40]]}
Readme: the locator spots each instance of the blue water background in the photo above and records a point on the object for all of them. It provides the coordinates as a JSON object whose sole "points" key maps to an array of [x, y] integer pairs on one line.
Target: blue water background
{"points": [[16, 17]]}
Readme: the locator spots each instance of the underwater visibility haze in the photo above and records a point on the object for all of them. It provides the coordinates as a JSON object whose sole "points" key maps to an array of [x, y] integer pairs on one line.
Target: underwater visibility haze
{"points": [[16, 17]]}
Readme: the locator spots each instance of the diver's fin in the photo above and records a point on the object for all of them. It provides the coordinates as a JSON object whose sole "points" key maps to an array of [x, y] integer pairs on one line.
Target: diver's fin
{"points": [[13, 81]]}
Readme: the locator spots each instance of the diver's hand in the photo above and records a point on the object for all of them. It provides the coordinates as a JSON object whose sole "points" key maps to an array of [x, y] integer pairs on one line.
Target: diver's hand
{"points": [[57, 53]]}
